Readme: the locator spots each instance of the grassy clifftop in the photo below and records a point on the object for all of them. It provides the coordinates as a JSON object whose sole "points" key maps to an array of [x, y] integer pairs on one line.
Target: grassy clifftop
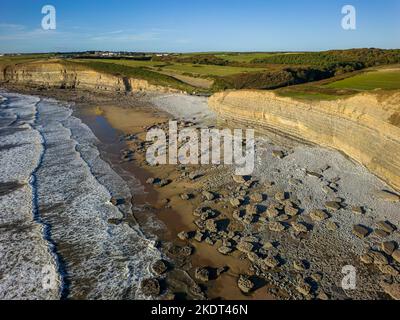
{"points": [[300, 75], [140, 73]]}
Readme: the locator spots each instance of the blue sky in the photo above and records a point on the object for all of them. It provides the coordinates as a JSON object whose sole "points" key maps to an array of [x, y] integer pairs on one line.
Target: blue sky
{"points": [[197, 25]]}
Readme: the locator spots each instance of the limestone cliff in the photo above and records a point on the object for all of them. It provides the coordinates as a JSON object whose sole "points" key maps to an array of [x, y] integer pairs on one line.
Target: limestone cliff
{"points": [[56, 74], [366, 127]]}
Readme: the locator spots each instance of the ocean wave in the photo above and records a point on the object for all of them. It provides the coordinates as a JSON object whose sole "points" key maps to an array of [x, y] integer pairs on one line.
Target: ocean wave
{"points": [[73, 185]]}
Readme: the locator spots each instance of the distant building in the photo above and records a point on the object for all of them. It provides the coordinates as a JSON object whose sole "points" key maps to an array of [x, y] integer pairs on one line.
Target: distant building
{"points": [[108, 54]]}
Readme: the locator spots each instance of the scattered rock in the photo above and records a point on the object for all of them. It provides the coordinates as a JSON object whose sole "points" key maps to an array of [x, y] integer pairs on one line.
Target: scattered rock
{"points": [[201, 224], [117, 201], [238, 215], [299, 227], [386, 226], [236, 202], [210, 241], [381, 234], [300, 265], [186, 196], [225, 250], [387, 196], [295, 182], [211, 226], [208, 195], [318, 215], [115, 221], [202, 274], [257, 197], [396, 255], [278, 154], [196, 290], [272, 212], [253, 257], [241, 179], [388, 247], [150, 287], [221, 270], [291, 210], [271, 262], [332, 205], [169, 296], [388, 270], [268, 246], [392, 290], [255, 209], [322, 296], [186, 251], [245, 284], [367, 258], [304, 288], [332, 226], [208, 214], [269, 184], [248, 219], [245, 247], [283, 218], [317, 276], [184, 235], [314, 174], [200, 210], [161, 183], [327, 190], [360, 231], [159, 267], [151, 181], [358, 210], [194, 175], [281, 196], [378, 257], [276, 226], [199, 236]]}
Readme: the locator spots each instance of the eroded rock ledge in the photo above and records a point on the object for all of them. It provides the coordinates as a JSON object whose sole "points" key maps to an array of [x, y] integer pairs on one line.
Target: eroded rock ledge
{"points": [[365, 127], [56, 74]]}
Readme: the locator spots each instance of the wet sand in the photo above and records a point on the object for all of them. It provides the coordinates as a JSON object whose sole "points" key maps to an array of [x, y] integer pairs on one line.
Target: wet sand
{"points": [[112, 122]]}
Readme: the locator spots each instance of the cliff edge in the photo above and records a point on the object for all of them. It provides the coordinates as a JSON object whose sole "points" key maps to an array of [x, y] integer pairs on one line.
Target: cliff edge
{"points": [[366, 127], [60, 75]]}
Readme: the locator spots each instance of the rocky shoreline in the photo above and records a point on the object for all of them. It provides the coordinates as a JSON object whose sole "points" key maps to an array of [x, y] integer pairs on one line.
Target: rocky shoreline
{"points": [[285, 232]]}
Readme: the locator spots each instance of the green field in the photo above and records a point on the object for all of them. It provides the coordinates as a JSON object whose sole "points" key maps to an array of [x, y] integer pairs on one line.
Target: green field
{"points": [[180, 68], [243, 57], [310, 96], [12, 60], [323, 75], [128, 63], [369, 81], [209, 70]]}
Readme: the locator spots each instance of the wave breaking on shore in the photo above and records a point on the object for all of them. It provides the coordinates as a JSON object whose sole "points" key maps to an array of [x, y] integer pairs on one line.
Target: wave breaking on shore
{"points": [[57, 239]]}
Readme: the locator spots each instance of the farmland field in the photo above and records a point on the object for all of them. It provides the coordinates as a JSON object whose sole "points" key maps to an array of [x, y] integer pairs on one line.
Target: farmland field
{"points": [[209, 70], [243, 57], [195, 69], [370, 81]]}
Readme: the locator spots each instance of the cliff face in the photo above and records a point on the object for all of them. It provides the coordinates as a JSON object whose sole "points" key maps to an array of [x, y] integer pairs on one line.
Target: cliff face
{"points": [[54, 74], [366, 127]]}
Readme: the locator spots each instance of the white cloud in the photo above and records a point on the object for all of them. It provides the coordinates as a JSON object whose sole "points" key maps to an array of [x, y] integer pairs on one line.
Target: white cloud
{"points": [[7, 27]]}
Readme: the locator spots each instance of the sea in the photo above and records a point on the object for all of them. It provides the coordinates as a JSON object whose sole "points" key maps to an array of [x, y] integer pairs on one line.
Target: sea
{"points": [[59, 231]]}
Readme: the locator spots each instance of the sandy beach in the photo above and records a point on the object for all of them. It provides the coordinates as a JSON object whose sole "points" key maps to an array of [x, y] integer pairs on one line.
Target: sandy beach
{"points": [[304, 202]]}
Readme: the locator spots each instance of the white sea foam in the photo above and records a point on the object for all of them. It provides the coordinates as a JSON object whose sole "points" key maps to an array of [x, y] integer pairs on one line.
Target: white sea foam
{"points": [[71, 187]]}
